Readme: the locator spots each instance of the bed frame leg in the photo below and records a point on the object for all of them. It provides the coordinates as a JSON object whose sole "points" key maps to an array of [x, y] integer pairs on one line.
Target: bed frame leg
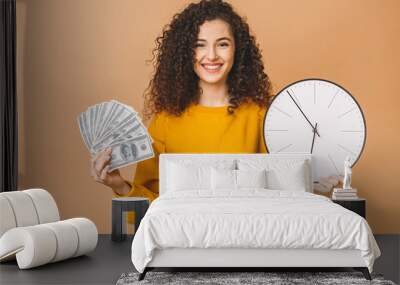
{"points": [[364, 271], [143, 274]]}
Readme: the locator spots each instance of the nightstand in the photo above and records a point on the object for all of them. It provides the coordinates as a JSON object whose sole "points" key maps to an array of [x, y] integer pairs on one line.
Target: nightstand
{"points": [[120, 205], [357, 206]]}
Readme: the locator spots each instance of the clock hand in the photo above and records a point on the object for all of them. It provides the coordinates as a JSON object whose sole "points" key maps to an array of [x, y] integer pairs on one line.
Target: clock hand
{"points": [[313, 139], [303, 113]]}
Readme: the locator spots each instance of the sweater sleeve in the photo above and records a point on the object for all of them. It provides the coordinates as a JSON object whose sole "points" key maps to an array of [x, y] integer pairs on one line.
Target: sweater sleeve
{"points": [[146, 180], [261, 144]]}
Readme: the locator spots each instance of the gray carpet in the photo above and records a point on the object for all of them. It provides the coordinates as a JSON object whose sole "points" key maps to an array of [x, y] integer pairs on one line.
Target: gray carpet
{"points": [[270, 278]]}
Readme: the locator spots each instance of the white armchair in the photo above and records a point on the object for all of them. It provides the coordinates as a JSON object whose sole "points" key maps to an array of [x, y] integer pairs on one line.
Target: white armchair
{"points": [[31, 230]]}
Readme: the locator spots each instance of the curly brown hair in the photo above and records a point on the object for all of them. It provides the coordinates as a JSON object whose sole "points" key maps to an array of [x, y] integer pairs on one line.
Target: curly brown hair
{"points": [[174, 85]]}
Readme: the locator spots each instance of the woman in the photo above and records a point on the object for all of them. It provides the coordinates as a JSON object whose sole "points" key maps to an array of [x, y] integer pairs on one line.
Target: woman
{"points": [[209, 94]]}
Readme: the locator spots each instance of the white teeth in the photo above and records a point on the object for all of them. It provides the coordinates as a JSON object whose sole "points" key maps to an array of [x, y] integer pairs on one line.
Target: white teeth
{"points": [[212, 67]]}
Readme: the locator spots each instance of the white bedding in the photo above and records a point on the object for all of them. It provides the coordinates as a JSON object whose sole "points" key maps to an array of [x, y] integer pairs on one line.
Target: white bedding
{"points": [[250, 218]]}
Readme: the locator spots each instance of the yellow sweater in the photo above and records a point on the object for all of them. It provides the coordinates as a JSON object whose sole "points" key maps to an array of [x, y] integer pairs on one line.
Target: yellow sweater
{"points": [[199, 129]]}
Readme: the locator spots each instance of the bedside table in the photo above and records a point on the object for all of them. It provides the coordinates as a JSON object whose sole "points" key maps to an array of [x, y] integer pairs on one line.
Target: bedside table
{"points": [[138, 205], [357, 206]]}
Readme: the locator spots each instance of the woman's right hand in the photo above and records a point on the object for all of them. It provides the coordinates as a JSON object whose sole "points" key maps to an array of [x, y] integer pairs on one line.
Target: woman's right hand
{"points": [[99, 170]]}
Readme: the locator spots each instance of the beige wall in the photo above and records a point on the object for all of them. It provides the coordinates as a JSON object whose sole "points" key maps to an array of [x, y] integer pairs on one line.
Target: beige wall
{"points": [[72, 54]]}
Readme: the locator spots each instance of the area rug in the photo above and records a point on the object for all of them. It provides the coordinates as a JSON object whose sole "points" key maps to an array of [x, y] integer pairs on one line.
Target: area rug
{"points": [[244, 278]]}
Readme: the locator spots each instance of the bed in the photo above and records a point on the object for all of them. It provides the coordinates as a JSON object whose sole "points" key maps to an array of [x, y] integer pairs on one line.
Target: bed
{"points": [[247, 210]]}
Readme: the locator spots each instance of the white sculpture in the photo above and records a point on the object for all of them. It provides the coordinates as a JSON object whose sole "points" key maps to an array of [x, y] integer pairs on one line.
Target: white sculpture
{"points": [[347, 174]]}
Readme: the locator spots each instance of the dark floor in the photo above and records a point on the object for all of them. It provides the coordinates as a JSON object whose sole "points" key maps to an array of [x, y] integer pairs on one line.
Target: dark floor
{"points": [[389, 262], [111, 259], [102, 266]]}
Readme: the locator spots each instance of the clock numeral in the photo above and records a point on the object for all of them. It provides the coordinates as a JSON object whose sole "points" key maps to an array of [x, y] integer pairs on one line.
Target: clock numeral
{"points": [[333, 163], [315, 93], [285, 147], [346, 149], [283, 112], [297, 99], [334, 96], [301, 111], [345, 113]]}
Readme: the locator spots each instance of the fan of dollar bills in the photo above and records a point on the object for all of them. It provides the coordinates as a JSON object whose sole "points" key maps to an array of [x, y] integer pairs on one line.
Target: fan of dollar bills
{"points": [[116, 125]]}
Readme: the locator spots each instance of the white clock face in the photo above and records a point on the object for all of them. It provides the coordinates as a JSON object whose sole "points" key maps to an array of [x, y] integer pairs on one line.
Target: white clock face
{"points": [[318, 117]]}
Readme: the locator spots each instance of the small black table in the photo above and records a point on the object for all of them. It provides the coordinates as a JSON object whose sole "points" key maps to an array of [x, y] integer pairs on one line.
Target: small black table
{"points": [[120, 205], [357, 205]]}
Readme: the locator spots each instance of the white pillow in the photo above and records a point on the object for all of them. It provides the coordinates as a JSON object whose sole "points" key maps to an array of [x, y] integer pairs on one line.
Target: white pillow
{"points": [[287, 179], [185, 177], [251, 178], [189, 174], [235, 179], [223, 179], [282, 174]]}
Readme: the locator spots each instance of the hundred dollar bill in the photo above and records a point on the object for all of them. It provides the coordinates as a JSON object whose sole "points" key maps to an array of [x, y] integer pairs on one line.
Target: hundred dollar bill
{"points": [[111, 110], [115, 134], [103, 112], [83, 130], [122, 114], [129, 128], [91, 123], [134, 132], [124, 105], [95, 115], [99, 115], [87, 126], [130, 152]]}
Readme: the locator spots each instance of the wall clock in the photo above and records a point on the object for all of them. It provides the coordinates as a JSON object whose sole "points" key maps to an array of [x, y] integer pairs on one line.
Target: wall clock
{"points": [[319, 117]]}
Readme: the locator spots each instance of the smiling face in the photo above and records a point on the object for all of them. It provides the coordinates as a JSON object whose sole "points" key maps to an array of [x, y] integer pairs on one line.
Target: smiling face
{"points": [[214, 52]]}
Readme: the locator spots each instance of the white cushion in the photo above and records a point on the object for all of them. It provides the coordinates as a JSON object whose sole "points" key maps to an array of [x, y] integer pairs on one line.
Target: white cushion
{"points": [[251, 178], [45, 205], [182, 177], [282, 174], [31, 246], [87, 233], [188, 175], [223, 179], [40, 244], [66, 237], [228, 179], [23, 208], [7, 220], [26, 208], [288, 179]]}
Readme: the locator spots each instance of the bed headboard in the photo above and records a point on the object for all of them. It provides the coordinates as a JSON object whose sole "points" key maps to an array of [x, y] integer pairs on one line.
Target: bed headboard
{"points": [[214, 157]]}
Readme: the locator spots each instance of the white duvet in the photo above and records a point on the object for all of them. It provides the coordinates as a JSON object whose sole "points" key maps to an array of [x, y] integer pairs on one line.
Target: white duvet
{"points": [[251, 218]]}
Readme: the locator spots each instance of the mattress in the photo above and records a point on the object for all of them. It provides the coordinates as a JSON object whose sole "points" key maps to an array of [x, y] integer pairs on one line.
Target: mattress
{"points": [[253, 218]]}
